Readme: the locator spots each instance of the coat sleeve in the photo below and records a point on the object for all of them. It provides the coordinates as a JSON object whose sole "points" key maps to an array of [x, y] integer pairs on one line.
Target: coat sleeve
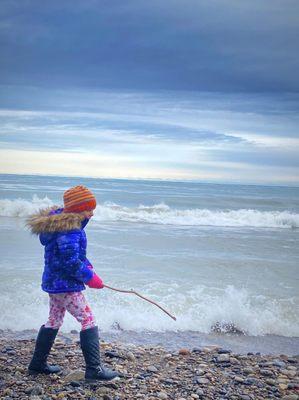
{"points": [[69, 251]]}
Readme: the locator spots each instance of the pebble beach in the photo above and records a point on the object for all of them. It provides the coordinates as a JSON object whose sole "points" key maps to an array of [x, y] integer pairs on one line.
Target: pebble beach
{"points": [[149, 373]]}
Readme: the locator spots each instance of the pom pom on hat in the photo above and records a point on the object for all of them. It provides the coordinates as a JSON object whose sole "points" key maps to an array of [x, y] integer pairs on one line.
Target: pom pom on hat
{"points": [[78, 199]]}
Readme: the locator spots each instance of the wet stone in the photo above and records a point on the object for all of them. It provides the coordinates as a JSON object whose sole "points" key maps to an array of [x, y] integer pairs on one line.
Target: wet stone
{"points": [[279, 364], [239, 379], [184, 352], [202, 381], [75, 375], [75, 383], [248, 371], [34, 390], [292, 360], [167, 381], [162, 396], [152, 368], [293, 385], [266, 372], [223, 357], [200, 372], [112, 354], [130, 356], [107, 397], [282, 386], [250, 381], [197, 350], [200, 393], [223, 351], [234, 360], [37, 390]]}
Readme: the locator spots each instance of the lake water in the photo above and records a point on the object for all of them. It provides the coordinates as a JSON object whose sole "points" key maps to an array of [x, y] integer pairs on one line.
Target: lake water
{"points": [[223, 256]]}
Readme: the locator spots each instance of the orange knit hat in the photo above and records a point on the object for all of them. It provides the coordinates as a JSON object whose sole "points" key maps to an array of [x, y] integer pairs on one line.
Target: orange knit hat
{"points": [[78, 199]]}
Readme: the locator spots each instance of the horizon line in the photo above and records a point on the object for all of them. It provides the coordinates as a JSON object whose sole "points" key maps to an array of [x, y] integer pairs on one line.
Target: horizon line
{"points": [[155, 180]]}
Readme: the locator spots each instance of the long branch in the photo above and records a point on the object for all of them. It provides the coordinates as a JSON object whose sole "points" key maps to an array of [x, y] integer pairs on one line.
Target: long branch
{"points": [[142, 297]]}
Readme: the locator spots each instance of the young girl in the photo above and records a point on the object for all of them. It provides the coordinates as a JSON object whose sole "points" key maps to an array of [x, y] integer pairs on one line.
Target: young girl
{"points": [[66, 272]]}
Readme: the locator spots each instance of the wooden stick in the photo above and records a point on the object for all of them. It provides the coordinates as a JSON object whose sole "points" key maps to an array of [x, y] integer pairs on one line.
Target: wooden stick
{"points": [[142, 297]]}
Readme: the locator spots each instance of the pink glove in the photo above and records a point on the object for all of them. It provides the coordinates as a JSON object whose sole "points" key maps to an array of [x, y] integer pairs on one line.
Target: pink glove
{"points": [[95, 282]]}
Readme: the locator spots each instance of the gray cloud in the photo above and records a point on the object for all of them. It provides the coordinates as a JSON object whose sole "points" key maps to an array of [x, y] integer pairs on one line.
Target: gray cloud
{"points": [[210, 45]]}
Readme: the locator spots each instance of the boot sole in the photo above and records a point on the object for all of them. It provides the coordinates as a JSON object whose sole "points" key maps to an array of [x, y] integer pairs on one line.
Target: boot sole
{"points": [[32, 372]]}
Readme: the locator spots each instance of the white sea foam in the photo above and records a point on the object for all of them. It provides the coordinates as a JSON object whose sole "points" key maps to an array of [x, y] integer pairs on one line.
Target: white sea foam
{"points": [[22, 207], [197, 309], [164, 215]]}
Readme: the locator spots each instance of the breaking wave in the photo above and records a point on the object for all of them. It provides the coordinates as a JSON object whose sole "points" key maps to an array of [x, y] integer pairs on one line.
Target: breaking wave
{"points": [[22, 207], [197, 309], [164, 215]]}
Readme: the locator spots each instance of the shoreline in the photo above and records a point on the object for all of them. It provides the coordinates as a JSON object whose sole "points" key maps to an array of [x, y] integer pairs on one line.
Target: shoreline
{"points": [[149, 373], [174, 340]]}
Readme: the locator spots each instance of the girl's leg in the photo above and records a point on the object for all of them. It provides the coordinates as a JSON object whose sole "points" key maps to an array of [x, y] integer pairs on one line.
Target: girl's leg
{"points": [[46, 337], [77, 305], [57, 310], [89, 338]]}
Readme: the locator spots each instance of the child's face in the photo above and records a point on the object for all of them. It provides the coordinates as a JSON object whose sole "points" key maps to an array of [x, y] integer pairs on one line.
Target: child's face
{"points": [[88, 214]]}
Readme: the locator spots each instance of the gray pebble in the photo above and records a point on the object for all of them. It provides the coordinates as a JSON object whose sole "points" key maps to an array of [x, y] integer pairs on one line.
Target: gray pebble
{"points": [[248, 371], [223, 351], [266, 372], [37, 390], [239, 379], [202, 381], [130, 356], [162, 396], [279, 364], [152, 368], [223, 358], [75, 383]]}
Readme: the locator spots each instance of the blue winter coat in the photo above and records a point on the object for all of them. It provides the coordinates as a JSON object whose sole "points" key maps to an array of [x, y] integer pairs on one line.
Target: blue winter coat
{"points": [[66, 267]]}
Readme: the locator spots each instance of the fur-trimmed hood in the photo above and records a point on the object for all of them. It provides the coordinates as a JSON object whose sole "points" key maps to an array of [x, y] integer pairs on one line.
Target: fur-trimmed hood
{"points": [[51, 220]]}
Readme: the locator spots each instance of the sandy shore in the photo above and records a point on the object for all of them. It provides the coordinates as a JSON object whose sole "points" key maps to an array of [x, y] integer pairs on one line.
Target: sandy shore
{"points": [[150, 373]]}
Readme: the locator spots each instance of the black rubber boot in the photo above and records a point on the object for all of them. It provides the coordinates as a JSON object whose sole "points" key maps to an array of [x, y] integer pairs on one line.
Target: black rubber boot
{"points": [[43, 344], [89, 339]]}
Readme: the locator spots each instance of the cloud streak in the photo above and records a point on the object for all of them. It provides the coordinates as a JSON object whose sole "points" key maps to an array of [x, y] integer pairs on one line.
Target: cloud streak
{"points": [[159, 134]]}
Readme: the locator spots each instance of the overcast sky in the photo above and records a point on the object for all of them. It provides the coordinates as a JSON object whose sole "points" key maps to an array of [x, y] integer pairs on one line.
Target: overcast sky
{"points": [[191, 89]]}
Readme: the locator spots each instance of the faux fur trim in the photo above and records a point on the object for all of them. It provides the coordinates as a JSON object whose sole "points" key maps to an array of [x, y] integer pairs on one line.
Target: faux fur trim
{"points": [[43, 222]]}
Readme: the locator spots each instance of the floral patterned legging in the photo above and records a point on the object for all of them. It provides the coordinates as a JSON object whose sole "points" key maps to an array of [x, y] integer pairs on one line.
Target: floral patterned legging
{"points": [[73, 302]]}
